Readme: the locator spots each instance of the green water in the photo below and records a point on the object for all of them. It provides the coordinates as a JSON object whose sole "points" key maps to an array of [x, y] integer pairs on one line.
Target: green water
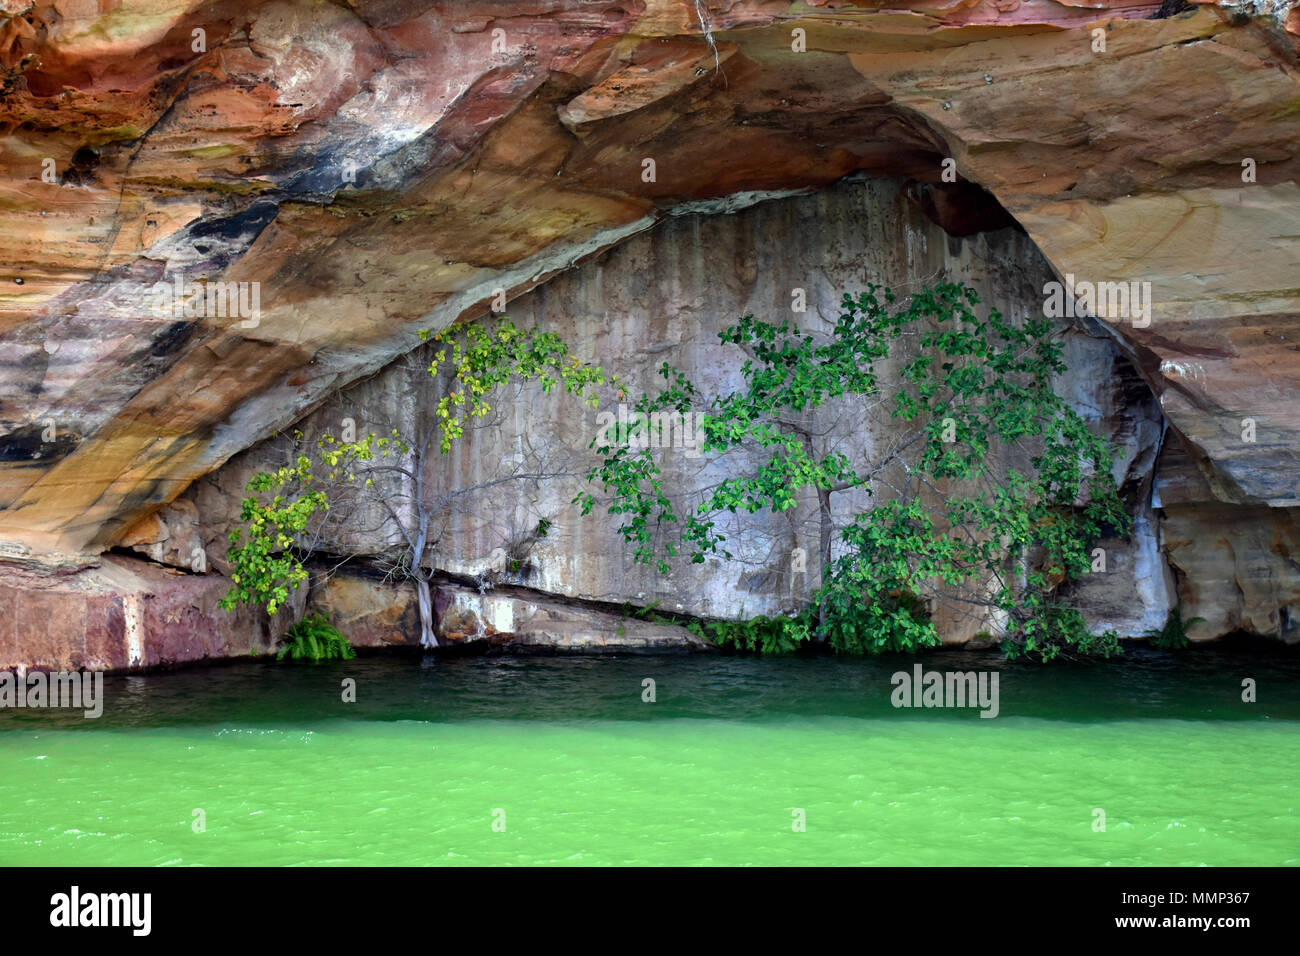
{"points": [[586, 772]]}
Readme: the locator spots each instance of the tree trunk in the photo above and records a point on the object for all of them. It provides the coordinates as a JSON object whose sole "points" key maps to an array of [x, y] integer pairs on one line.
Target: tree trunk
{"points": [[427, 637], [827, 532]]}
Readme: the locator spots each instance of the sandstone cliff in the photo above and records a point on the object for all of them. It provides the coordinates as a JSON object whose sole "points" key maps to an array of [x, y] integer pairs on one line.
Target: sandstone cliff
{"points": [[379, 167]]}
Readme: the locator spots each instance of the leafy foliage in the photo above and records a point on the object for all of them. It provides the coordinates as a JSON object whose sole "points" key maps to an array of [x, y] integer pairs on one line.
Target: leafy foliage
{"points": [[267, 554], [484, 359], [315, 639], [768, 635], [967, 523], [1173, 636], [266, 567]]}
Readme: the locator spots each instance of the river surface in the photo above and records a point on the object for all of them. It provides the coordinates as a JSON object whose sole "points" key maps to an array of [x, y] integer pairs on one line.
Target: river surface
{"points": [[738, 760]]}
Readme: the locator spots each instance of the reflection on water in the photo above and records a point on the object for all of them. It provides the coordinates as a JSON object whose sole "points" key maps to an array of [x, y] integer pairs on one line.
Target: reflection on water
{"points": [[1201, 684]]}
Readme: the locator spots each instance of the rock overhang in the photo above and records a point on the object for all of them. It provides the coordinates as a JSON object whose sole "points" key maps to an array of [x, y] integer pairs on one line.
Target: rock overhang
{"points": [[388, 167]]}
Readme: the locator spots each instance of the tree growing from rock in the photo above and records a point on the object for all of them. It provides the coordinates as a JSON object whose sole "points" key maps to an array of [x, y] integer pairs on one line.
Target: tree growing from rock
{"points": [[989, 499], [286, 518]]}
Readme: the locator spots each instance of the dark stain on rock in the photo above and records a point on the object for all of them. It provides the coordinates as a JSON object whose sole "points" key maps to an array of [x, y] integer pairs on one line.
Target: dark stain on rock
{"points": [[960, 209], [169, 341], [246, 225], [327, 172], [27, 443], [1171, 8], [81, 171]]}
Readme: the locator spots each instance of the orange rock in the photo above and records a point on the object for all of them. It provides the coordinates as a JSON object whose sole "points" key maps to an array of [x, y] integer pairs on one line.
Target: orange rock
{"points": [[377, 170]]}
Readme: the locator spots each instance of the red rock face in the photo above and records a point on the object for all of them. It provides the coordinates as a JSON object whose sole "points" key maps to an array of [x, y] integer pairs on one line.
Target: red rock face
{"points": [[370, 170], [126, 614]]}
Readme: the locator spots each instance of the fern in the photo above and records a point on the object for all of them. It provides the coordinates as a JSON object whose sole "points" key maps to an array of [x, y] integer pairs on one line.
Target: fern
{"points": [[1173, 636], [315, 639], [766, 635]]}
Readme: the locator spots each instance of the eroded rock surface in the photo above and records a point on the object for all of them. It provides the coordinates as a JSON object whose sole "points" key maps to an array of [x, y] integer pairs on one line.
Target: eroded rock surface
{"points": [[386, 166], [1235, 564], [663, 298], [124, 614], [360, 172], [525, 620]]}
